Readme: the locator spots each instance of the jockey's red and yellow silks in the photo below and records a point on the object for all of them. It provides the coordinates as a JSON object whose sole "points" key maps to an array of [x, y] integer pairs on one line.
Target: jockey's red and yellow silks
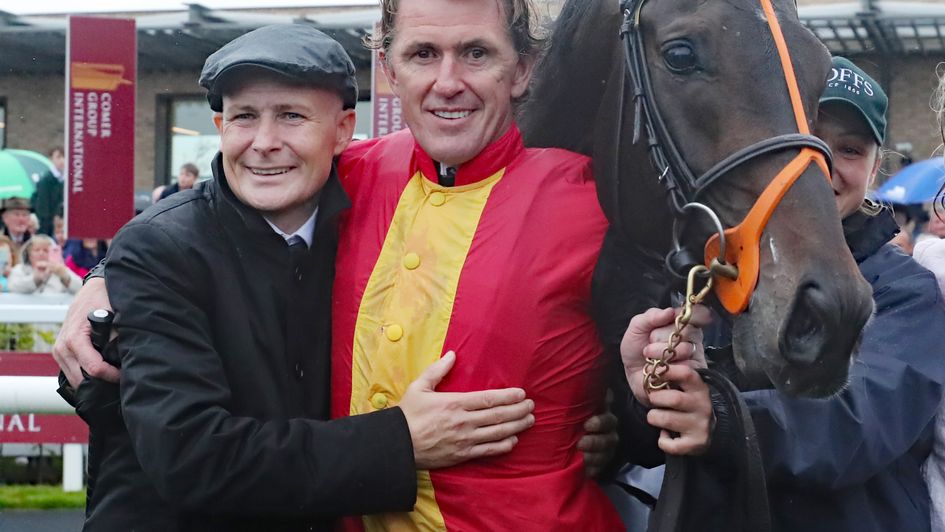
{"points": [[498, 269]]}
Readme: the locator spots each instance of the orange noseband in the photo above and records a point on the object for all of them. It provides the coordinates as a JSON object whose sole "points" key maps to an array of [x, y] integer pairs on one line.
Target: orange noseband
{"points": [[744, 240]]}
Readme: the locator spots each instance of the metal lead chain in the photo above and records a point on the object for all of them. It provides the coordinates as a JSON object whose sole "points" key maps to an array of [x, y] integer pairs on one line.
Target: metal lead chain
{"points": [[655, 368]]}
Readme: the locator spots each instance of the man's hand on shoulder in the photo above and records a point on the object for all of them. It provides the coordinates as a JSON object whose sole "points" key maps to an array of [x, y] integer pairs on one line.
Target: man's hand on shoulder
{"points": [[450, 428], [73, 350]]}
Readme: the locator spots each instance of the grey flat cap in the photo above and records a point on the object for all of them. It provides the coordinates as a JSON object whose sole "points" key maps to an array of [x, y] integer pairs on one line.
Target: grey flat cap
{"points": [[294, 50]]}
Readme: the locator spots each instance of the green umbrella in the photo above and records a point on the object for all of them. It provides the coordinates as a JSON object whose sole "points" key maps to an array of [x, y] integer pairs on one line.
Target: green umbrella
{"points": [[36, 164], [17, 171]]}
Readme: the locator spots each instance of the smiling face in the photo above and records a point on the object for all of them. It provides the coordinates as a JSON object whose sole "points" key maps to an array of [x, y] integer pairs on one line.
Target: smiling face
{"points": [[278, 140], [856, 155], [456, 71]]}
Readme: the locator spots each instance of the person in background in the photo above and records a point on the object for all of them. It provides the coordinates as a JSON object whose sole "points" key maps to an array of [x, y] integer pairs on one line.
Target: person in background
{"points": [[156, 193], [59, 230], [82, 255], [48, 197], [42, 270], [185, 180], [34, 224], [8, 260], [903, 240], [935, 229], [15, 215], [930, 253]]}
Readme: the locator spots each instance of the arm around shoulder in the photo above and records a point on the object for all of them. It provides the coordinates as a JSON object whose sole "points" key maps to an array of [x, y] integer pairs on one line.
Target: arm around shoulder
{"points": [[177, 407]]}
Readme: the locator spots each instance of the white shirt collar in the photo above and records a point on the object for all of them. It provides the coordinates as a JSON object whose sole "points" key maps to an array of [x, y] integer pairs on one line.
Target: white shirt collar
{"points": [[307, 231]]}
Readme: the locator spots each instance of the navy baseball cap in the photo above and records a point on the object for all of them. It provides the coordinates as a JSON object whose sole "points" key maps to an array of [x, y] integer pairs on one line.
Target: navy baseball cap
{"points": [[848, 83], [297, 51]]}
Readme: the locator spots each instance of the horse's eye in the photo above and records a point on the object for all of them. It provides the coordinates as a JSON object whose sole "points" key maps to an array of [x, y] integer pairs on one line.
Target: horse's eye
{"points": [[680, 57]]}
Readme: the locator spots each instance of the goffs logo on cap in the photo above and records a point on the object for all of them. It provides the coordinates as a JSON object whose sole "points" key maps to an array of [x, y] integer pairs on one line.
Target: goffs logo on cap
{"points": [[849, 80]]}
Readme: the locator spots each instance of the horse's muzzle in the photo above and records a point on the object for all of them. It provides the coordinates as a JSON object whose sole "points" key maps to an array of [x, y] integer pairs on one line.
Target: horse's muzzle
{"points": [[820, 333]]}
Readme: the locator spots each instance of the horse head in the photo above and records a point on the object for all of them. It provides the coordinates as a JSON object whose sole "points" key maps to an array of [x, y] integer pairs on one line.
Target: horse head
{"points": [[729, 123]]}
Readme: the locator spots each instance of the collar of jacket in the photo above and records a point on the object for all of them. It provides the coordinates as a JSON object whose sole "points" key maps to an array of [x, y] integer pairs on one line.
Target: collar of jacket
{"points": [[495, 157], [865, 234], [331, 202]]}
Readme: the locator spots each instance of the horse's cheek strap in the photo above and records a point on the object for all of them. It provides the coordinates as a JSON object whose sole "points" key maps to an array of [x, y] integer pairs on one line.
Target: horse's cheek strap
{"points": [[787, 66], [744, 240]]}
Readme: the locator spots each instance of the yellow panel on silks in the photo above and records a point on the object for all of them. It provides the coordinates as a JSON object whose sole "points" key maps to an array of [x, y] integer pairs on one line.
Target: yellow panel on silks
{"points": [[406, 308]]}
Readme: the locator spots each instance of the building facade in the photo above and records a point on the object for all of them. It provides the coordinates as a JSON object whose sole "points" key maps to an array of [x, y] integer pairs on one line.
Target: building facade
{"points": [[898, 42]]}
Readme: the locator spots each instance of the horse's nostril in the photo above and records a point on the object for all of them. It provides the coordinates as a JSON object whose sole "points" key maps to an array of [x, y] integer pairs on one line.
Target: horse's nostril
{"points": [[803, 339]]}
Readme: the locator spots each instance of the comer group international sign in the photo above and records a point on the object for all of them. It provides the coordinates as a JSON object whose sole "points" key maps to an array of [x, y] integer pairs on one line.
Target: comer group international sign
{"points": [[100, 109]]}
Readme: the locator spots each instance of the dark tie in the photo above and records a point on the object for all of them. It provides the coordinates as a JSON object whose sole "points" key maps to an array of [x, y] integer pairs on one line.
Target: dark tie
{"points": [[298, 250], [448, 177], [299, 314]]}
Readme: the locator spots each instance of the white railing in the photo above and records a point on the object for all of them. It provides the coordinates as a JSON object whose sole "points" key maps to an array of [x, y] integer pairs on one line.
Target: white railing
{"points": [[29, 394]]}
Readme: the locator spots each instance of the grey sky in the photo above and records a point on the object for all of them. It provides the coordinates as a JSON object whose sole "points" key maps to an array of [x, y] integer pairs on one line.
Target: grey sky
{"points": [[19, 7]]}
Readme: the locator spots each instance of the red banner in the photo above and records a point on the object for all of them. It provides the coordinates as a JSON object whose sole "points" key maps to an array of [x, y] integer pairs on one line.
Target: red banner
{"points": [[386, 112], [37, 428], [101, 68]]}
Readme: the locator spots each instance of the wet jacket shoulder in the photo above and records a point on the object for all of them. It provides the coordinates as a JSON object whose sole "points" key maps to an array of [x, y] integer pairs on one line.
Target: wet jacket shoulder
{"points": [[226, 425]]}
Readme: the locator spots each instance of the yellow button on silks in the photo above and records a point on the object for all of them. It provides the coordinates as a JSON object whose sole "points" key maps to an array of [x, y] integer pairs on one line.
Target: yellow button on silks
{"points": [[394, 332], [437, 199], [411, 261], [379, 400]]}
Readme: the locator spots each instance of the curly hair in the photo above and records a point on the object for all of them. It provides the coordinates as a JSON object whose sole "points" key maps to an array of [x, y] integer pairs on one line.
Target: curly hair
{"points": [[520, 18]]}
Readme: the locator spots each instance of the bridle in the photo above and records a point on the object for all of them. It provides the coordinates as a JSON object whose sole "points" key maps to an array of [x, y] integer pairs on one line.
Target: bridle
{"points": [[731, 255]]}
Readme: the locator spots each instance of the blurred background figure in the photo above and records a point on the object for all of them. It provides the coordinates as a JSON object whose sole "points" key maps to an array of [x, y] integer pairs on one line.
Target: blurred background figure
{"points": [[82, 255], [42, 270], [8, 260], [935, 229], [157, 193], [59, 230], [15, 215], [903, 239], [33, 224], [48, 197], [185, 180]]}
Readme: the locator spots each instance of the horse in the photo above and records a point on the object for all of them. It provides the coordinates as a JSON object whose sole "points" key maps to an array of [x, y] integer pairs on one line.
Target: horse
{"points": [[717, 82]]}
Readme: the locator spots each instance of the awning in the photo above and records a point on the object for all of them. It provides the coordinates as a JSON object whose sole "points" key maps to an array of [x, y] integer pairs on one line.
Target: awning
{"points": [[170, 41], [883, 26]]}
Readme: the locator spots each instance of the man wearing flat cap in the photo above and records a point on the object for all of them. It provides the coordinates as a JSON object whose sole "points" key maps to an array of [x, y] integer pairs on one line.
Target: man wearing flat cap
{"points": [[15, 214], [222, 301]]}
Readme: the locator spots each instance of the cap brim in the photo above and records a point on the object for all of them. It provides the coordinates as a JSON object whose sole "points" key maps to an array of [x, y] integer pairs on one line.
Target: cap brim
{"points": [[876, 135]]}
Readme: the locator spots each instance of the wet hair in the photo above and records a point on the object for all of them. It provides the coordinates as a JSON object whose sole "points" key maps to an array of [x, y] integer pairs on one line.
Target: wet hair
{"points": [[938, 106], [520, 16]]}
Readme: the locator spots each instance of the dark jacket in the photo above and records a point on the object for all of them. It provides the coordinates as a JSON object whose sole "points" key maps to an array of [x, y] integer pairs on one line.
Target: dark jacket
{"points": [[852, 462], [47, 201], [224, 353], [168, 190]]}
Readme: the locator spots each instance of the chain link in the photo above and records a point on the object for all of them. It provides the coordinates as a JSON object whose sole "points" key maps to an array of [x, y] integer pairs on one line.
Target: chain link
{"points": [[655, 368]]}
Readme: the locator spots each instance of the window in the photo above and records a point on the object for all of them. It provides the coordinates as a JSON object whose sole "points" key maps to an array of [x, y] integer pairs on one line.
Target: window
{"points": [[189, 137], [3, 123], [362, 128]]}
